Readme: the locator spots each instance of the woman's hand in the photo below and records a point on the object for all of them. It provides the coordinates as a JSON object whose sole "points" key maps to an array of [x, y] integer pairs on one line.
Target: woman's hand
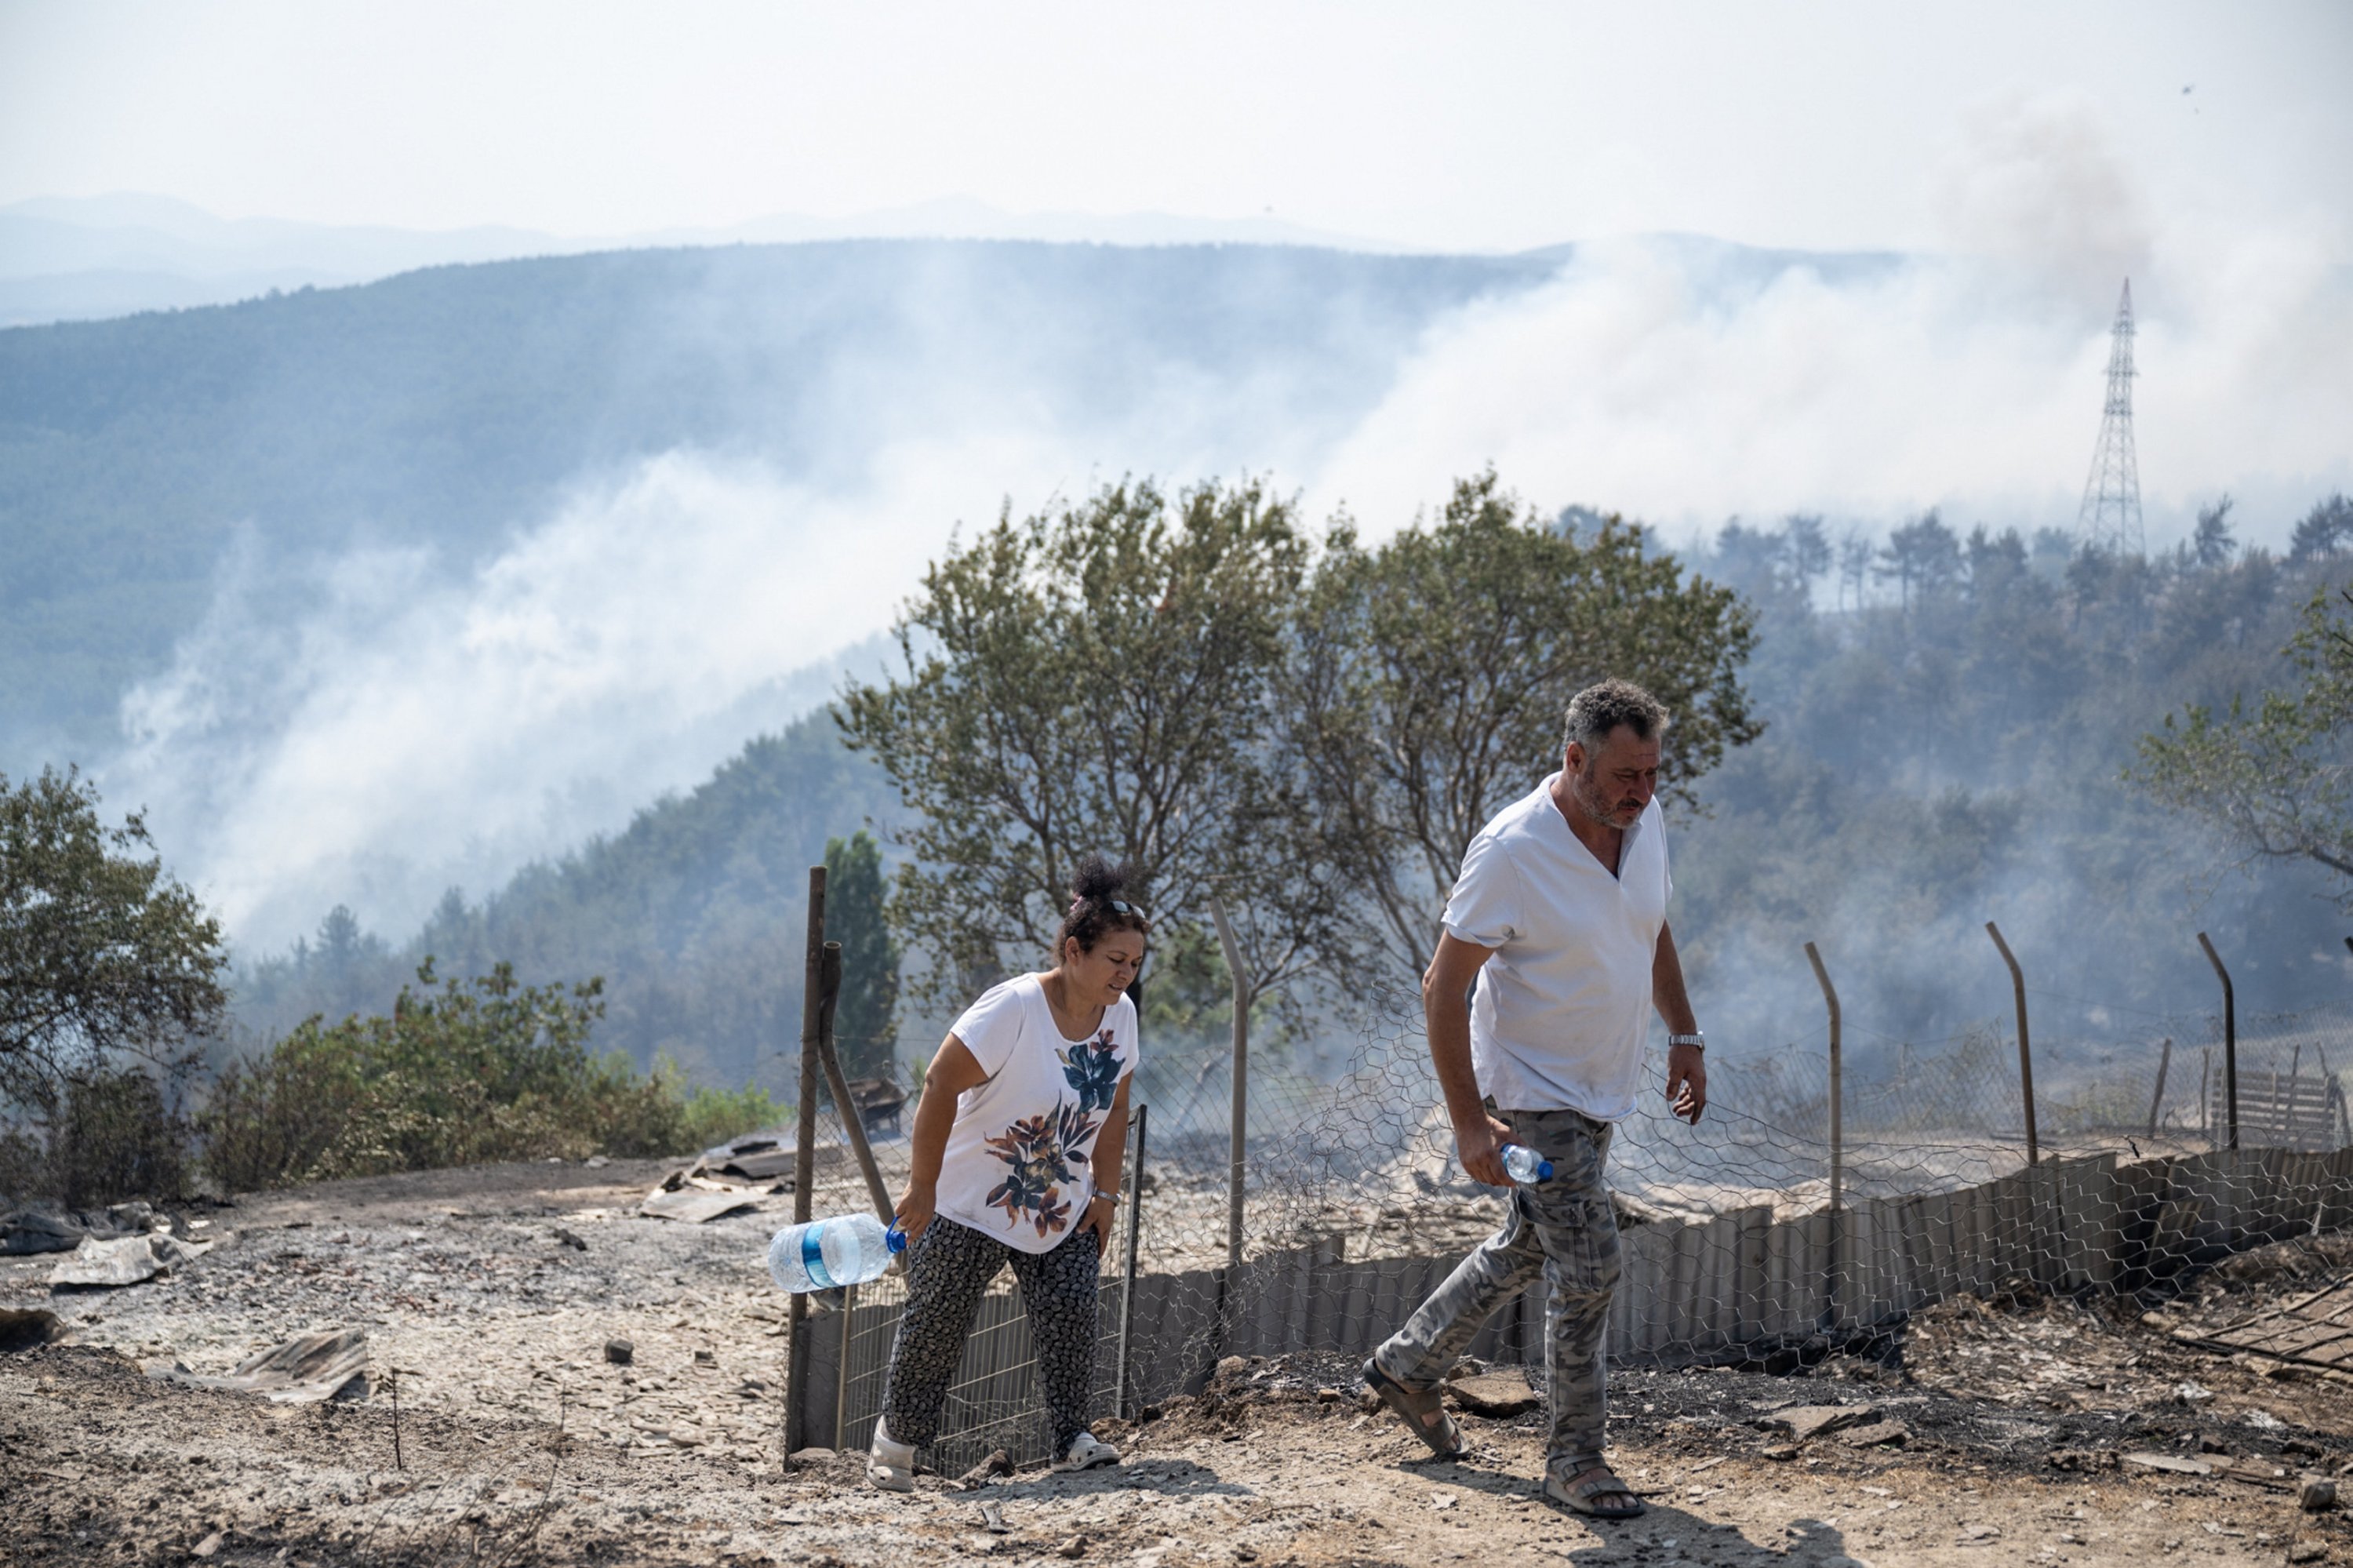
{"points": [[1102, 1212], [915, 1207]]}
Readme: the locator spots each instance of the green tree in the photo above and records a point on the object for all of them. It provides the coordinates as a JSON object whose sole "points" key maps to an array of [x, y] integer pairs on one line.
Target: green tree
{"points": [[866, 1019], [2278, 781], [2214, 542], [1099, 678], [2325, 530], [103, 957], [1923, 558], [1428, 679]]}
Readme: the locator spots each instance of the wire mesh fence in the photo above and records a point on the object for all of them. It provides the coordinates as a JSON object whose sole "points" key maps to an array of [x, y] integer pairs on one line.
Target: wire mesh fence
{"points": [[1355, 1205]]}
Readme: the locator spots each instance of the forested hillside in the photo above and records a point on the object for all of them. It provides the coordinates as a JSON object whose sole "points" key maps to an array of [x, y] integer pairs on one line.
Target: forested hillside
{"points": [[695, 916], [1948, 718], [445, 408], [1949, 712], [1954, 752]]}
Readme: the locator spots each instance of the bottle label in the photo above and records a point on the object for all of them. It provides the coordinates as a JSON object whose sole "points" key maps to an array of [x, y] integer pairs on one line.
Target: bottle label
{"points": [[813, 1257]]}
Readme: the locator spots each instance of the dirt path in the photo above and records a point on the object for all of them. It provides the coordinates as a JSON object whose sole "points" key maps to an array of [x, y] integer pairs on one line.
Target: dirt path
{"points": [[518, 1443]]}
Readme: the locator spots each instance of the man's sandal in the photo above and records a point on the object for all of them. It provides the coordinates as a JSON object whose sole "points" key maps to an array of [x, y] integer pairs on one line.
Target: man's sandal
{"points": [[1594, 1492], [1418, 1408]]}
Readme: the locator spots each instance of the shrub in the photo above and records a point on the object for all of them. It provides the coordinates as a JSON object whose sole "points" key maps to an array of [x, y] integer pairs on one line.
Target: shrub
{"points": [[23, 1167], [715, 1116], [474, 1071], [108, 1136], [117, 1139], [276, 1118]]}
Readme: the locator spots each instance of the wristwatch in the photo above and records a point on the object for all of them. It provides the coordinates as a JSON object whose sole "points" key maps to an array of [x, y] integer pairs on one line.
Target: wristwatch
{"points": [[1696, 1040]]}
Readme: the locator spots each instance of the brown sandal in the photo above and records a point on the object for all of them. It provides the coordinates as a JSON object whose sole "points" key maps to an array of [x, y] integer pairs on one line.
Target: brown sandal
{"points": [[1582, 1491], [1416, 1406]]}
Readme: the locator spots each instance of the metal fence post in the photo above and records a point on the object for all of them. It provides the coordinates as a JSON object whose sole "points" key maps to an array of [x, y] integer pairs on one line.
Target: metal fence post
{"points": [[2229, 1040], [2156, 1100], [1838, 1128], [1241, 1083], [1829, 995], [797, 1358], [2025, 1054], [1127, 1291]]}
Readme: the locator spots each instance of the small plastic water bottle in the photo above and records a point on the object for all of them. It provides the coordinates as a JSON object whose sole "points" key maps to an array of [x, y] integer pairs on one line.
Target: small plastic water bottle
{"points": [[1524, 1165], [826, 1255]]}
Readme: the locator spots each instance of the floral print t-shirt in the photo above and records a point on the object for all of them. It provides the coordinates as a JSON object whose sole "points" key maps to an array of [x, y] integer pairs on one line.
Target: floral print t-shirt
{"points": [[1020, 1158]]}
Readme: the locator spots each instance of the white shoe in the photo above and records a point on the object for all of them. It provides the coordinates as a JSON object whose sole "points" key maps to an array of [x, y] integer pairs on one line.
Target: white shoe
{"points": [[1086, 1452], [890, 1464]]}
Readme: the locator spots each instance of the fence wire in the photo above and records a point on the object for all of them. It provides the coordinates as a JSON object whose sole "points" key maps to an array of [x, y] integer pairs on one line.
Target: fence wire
{"points": [[1355, 1207]]}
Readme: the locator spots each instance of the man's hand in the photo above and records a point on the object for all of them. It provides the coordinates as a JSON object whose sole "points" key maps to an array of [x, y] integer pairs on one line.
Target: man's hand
{"points": [[1687, 1082], [1479, 1145], [1103, 1213], [914, 1211]]}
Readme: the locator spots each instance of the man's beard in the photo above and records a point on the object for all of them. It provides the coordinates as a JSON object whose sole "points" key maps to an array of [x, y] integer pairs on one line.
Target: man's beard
{"points": [[1587, 788]]}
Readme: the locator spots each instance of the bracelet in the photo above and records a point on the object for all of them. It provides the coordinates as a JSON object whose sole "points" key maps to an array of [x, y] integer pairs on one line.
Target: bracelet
{"points": [[1114, 1197], [1696, 1040]]}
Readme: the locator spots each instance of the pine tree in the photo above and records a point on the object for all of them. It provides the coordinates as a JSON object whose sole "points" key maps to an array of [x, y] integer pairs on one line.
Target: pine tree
{"points": [[865, 1021]]}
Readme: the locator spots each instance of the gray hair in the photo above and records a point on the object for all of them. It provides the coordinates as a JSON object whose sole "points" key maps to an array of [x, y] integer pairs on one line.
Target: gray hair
{"points": [[1601, 707]]}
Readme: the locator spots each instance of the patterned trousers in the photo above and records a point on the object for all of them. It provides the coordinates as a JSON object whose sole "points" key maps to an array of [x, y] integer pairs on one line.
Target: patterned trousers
{"points": [[948, 1271], [1562, 1228]]}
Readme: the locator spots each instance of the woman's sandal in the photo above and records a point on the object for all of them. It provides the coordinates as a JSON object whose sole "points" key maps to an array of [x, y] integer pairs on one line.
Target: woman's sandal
{"points": [[890, 1464], [1582, 1493], [1416, 1406]]}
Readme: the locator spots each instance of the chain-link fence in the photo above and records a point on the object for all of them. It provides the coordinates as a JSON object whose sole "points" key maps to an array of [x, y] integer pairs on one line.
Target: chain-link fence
{"points": [[1354, 1206]]}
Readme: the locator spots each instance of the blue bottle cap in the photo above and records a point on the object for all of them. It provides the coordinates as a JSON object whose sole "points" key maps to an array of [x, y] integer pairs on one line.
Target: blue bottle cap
{"points": [[1544, 1169], [894, 1238]]}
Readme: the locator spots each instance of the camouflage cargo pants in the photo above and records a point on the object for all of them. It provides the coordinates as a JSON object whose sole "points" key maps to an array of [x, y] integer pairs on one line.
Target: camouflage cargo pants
{"points": [[1562, 1228]]}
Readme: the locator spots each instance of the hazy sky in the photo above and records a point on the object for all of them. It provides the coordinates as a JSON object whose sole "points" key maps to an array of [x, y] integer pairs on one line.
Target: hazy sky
{"points": [[1463, 125], [431, 729]]}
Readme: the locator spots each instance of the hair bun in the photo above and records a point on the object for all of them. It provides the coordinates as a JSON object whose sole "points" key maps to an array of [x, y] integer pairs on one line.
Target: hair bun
{"points": [[1096, 879], [1100, 894]]}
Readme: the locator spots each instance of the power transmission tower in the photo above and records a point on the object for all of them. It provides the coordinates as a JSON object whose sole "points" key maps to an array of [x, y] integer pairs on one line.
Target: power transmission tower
{"points": [[2109, 518]]}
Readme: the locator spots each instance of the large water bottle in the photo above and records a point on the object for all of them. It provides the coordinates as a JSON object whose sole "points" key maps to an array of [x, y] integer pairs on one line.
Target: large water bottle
{"points": [[1524, 1165], [826, 1255]]}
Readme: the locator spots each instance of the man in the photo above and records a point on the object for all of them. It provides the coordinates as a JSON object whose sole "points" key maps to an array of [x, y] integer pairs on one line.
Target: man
{"points": [[1561, 916]]}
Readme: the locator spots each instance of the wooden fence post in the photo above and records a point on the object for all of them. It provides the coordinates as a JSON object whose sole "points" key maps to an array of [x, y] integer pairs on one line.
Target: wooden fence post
{"points": [[796, 1359], [2230, 1040], [853, 1122], [2156, 1100]]}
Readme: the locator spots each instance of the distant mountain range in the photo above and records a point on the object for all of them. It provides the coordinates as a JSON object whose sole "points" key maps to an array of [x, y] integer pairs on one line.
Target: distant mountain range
{"points": [[365, 539], [445, 409], [83, 259]]}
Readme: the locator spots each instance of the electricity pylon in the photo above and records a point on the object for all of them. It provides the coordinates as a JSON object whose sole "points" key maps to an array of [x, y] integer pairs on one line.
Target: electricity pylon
{"points": [[2109, 518]]}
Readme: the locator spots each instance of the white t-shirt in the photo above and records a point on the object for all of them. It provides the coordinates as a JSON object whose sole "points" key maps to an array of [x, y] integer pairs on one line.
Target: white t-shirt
{"points": [[1017, 1165], [1561, 1010]]}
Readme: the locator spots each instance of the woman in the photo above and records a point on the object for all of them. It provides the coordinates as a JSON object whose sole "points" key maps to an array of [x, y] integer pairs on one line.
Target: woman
{"points": [[1018, 1140]]}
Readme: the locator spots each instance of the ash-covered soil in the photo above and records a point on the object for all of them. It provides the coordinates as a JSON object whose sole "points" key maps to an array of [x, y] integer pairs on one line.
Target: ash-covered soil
{"points": [[1992, 1431]]}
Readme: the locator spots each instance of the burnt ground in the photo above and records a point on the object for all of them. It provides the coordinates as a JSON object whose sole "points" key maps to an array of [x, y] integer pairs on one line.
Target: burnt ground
{"points": [[1997, 1430]]}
